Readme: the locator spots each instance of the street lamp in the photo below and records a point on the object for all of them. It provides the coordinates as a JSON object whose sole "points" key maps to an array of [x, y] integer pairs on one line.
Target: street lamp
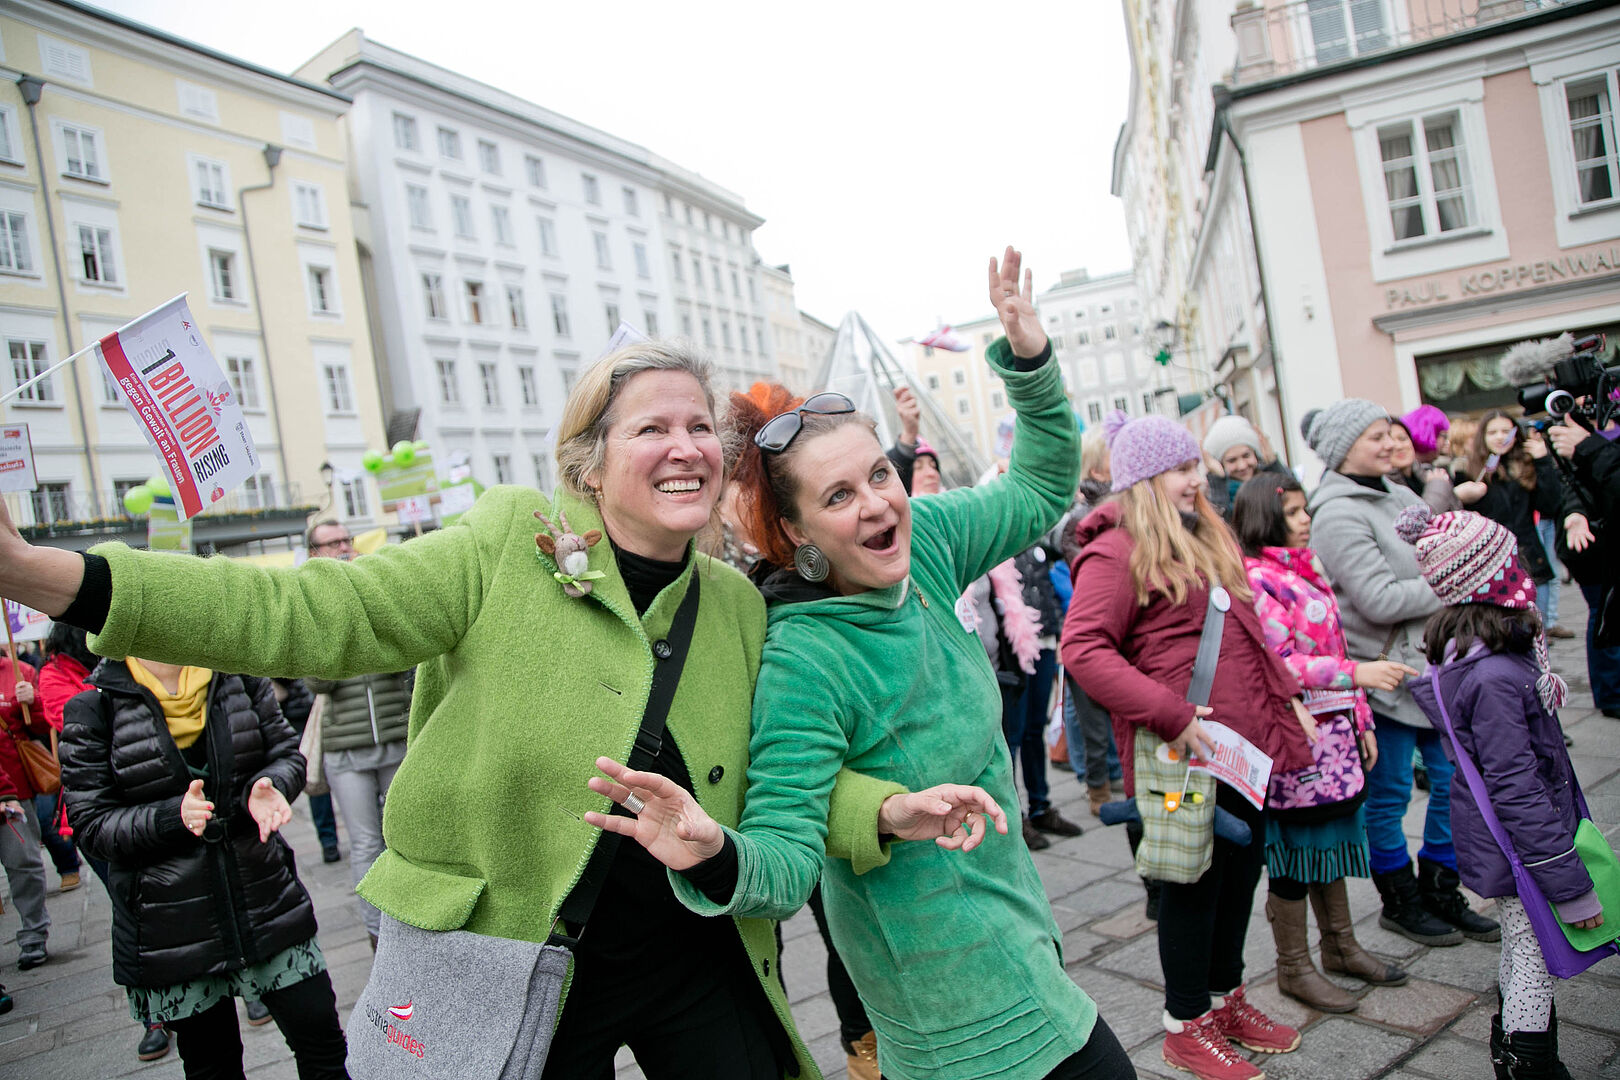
{"points": [[326, 481]]}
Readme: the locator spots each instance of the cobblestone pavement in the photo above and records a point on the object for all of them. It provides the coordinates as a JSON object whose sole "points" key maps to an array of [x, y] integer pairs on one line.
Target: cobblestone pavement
{"points": [[71, 1022]]}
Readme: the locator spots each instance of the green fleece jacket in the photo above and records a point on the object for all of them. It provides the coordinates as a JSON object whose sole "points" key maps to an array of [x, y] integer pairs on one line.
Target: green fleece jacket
{"points": [[519, 690], [956, 956]]}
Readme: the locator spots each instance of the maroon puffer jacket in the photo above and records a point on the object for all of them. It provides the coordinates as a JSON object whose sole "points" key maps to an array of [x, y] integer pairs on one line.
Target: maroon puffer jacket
{"points": [[1137, 661]]}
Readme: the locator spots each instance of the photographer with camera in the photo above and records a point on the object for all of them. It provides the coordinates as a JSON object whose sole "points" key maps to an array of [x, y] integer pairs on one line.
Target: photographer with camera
{"points": [[1567, 379]]}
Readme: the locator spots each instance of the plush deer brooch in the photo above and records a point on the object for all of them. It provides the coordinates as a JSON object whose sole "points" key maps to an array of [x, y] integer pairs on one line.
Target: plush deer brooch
{"points": [[571, 552]]}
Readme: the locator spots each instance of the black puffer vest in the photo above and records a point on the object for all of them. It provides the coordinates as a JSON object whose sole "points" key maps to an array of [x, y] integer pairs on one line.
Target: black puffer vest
{"points": [[184, 906]]}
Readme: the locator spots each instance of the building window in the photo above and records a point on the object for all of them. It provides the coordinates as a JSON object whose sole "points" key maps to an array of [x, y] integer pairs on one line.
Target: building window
{"points": [[354, 499], [1082, 337], [244, 381], [433, 297], [28, 359], [604, 257], [501, 218], [649, 322], [714, 266], [631, 206], [1110, 333], [559, 315], [536, 170], [591, 189], [527, 387], [742, 338], [612, 311], [309, 205], [109, 393], [697, 270], [222, 274], [759, 339], [998, 400], [676, 267], [515, 308], [503, 467], [1426, 182], [339, 398], [52, 502], [259, 492], [449, 389], [473, 292], [322, 293], [542, 471], [548, 236], [1093, 412], [963, 407], [1591, 130], [417, 207], [708, 332], [753, 292], [933, 382], [461, 213], [490, 379], [489, 157], [122, 488], [1122, 403], [725, 333], [643, 267], [212, 187], [96, 255], [449, 144], [14, 254], [1147, 403], [959, 377], [736, 285], [405, 133], [569, 377], [82, 153]]}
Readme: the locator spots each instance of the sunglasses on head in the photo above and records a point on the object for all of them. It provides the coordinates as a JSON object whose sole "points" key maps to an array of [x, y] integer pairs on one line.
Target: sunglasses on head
{"points": [[780, 430]]}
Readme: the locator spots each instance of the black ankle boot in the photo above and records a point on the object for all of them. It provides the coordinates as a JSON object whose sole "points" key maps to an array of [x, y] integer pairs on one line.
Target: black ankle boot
{"points": [[1437, 886], [1533, 1055], [1403, 912], [1499, 1050]]}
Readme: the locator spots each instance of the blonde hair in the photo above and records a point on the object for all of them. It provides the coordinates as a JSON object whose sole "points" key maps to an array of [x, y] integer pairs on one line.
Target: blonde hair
{"points": [[588, 413], [1093, 453], [1170, 558]]}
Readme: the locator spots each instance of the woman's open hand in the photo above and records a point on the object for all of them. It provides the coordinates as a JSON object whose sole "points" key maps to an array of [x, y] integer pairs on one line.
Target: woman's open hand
{"points": [[952, 815], [1193, 740], [268, 806], [1578, 532], [1469, 492], [195, 809], [1016, 308], [670, 824]]}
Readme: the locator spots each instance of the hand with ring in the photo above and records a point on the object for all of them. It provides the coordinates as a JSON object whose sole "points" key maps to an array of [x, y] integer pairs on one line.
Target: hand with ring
{"points": [[195, 810], [952, 815], [668, 821]]}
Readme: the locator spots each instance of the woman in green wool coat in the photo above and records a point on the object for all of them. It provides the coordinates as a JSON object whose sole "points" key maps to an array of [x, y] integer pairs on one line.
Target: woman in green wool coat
{"points": [[868, 665], [521, 685]]}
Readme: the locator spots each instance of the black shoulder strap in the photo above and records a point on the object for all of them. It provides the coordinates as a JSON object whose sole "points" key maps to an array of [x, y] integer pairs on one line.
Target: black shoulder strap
{"points": [[669, 656]]}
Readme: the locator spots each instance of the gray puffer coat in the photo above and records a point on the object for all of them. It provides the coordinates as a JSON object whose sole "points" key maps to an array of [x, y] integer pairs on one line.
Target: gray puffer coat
{"points": [[1382, 596]]}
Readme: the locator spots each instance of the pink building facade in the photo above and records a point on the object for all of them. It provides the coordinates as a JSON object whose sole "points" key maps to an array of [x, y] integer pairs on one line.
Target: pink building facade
{"points": [[1430, 182]]}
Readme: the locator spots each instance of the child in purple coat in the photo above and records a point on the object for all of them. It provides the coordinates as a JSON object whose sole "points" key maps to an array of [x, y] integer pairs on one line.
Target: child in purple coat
{"points": [[1502, 699]]}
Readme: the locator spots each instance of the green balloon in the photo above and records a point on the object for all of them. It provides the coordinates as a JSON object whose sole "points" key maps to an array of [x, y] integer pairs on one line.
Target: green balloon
{"points": [[158, 484], [138, 500], [404, 452], [372, 460]]}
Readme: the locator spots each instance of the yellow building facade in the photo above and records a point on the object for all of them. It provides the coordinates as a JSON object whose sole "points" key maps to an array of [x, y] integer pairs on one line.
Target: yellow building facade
{"points": [[135, 166]]}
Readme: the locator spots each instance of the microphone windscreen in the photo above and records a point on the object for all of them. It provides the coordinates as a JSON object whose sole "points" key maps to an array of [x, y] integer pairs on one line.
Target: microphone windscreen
{"points": [[1529, 361]]}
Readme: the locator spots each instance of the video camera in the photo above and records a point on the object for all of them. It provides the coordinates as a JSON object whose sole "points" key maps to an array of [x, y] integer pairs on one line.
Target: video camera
{"points": [[1565, 377]]}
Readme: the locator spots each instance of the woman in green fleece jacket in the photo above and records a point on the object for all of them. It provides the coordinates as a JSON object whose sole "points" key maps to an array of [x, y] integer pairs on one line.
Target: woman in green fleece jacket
{"points": [[867, 665], [520, 687]]}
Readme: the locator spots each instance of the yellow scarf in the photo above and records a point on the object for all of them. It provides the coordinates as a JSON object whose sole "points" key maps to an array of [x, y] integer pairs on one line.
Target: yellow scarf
{"points": [[185, 711]]}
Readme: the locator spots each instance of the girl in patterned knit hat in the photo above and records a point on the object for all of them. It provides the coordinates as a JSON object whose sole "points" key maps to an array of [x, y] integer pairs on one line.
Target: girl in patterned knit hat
{"points": [[1493, 694]]}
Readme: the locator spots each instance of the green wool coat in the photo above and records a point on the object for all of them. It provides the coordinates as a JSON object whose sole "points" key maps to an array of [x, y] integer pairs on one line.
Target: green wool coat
{"points": [[519, 689], [956, 956]]}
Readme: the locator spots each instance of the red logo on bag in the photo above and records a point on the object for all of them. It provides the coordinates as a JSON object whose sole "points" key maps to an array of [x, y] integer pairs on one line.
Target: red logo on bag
{"points": [[402, 1012], [393, 1035]]}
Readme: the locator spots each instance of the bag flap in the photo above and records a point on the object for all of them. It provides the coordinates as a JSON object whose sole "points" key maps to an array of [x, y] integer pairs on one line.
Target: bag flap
{"points": [[1604, 868], [421, 897]]}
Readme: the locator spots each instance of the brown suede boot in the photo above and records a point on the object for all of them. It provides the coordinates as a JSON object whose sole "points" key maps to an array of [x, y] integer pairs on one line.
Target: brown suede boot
{"points": [[1341, 952], [1099, 795], [1296, 975]]}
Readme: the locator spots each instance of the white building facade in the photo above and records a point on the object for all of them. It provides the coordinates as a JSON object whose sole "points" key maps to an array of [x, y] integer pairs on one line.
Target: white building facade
{"points": [[503, 244]]}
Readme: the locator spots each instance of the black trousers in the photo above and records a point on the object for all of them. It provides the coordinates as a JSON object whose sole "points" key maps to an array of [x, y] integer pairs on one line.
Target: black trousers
{"points": [[1102, 1058], [210, 1043], [853, 1022], [1202, 925]]}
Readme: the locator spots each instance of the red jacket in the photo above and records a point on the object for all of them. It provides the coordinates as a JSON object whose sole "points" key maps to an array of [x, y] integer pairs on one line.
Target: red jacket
{"points": [[61, 679], [1137, 661], [11, 719]]}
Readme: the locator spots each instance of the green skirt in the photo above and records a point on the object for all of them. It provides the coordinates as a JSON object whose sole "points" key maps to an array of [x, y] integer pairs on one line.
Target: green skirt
{"points": [[194, 996], [1323, 851]]}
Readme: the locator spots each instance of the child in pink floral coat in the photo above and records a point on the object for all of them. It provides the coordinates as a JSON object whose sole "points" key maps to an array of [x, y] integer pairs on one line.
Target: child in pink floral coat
{"points": [[1315, 833]]}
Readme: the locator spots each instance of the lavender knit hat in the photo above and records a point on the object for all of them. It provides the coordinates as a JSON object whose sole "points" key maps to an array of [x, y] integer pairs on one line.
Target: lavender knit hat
{"points": [[1142, 449]]}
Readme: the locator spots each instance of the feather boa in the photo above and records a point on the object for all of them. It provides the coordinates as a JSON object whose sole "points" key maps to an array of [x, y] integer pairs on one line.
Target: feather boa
{"points": [[1020, 623]]}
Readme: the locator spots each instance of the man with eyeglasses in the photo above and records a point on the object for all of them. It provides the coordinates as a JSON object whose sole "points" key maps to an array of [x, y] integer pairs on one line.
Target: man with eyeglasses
{"points": [[362, 736]]}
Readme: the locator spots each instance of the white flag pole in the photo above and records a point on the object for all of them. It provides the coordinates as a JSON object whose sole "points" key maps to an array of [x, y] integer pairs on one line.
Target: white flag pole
{"points": [[48, 372]]}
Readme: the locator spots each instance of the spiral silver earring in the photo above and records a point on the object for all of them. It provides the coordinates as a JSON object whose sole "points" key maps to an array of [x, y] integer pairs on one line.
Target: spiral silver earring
{"points": [[810, 562]]}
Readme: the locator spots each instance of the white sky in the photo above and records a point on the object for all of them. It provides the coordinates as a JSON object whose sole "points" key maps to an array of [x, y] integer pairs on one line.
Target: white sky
{"points": [[890, 146]]}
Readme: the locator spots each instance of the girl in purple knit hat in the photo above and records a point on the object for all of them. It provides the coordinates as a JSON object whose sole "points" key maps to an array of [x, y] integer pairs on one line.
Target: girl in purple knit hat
{"points": [[1494, 693]]}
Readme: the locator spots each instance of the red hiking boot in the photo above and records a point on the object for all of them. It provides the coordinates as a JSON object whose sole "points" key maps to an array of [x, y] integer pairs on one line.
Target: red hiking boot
{"points": [[1201, 1049], [1242, 1023]]}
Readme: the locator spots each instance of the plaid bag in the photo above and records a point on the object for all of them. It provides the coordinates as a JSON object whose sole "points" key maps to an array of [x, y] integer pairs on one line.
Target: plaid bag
{"points": [[1177, 845]]}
